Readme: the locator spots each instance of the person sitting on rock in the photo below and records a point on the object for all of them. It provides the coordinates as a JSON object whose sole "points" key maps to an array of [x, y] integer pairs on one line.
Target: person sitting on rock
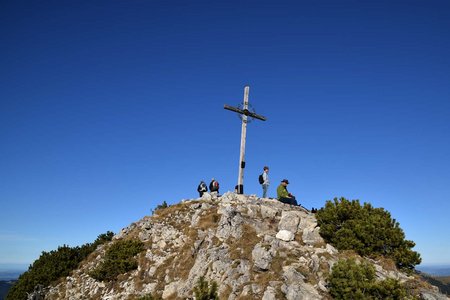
{"points": [[214, 186], [202, 188], [283, 195]]}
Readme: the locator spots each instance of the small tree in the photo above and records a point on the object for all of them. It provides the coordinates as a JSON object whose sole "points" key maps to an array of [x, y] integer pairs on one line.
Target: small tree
{"points": [[162, 205], [205, 291]]}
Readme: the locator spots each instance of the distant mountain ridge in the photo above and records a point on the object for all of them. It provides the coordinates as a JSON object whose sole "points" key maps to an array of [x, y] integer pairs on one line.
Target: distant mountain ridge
{"points": [[5, 285], [6, 275], [7, 279], [443, 270]]}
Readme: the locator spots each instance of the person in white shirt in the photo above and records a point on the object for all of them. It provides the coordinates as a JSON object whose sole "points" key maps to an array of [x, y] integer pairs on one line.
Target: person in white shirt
{"points": [[266, 181]]}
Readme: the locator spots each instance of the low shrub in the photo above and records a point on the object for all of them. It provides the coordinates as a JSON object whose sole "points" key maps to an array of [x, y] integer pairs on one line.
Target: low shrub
{"points": [[205, 291], [119, 259], [352, 280]]}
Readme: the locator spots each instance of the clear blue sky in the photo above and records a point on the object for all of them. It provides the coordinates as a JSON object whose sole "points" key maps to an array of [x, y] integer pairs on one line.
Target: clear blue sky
{"points": [[108, 108]]}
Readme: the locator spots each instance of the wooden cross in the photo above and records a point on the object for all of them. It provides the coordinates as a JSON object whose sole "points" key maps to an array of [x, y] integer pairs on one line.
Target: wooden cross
{"points": [[245, 114]]}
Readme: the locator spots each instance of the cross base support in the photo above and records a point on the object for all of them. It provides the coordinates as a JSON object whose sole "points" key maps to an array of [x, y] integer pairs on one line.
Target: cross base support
{"points": [[240, 189]]}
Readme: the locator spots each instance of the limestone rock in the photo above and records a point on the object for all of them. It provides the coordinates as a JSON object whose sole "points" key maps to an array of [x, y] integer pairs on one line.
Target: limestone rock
{"points": [[261, 257], [285, 235], [269, 294], [289, 221], [229, 224], [311, 236]]}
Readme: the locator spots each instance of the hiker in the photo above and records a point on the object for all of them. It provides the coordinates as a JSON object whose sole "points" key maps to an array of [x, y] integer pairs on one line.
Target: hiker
{"points": [[283, 195], [202, 188], [264, 181], [214, 186]]}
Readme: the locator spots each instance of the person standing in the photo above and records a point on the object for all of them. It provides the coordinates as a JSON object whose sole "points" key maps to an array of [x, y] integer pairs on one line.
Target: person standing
{"points": [[283, 195], [202, 188], [265, 181]]}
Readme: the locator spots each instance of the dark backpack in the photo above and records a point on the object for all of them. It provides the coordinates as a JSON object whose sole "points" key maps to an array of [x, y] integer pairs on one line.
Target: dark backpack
{"points": [[261, 179], [214, 186]]}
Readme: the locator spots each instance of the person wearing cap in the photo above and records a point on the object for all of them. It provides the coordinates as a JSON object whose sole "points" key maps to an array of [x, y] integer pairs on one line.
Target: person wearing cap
{"points": [[283, 195]]}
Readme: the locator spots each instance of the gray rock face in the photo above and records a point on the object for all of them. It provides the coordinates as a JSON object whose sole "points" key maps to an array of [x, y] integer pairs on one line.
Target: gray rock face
{"points": [[261, 257], [311, 236], [230, 223], [252, 248], [289, 221], [270, 294], [429, 295]]}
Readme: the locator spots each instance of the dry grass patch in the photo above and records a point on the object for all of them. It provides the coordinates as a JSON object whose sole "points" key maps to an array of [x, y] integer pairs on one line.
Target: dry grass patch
{"points": [[322, 244], [413, 287], [226, 293], [346, 254], [142, 276], [161, 272], [183, 263], [299, 237], [263, 278], [386, 263], [324, 267], [247, 297], [209, 219], [277, 265], [309, 276], [172, 297], [163, 213]]}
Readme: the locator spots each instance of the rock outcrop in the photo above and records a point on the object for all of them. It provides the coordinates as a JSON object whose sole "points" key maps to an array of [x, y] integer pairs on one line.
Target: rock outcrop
{"points": [[252, 248]]}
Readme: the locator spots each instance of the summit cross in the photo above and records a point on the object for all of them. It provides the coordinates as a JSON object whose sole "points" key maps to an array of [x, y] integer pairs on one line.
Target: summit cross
{"points": [[245, 114]]}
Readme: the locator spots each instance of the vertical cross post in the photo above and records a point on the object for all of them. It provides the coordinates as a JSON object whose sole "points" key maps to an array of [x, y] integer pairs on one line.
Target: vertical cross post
{"points": [[240, 185], [245, 114]]}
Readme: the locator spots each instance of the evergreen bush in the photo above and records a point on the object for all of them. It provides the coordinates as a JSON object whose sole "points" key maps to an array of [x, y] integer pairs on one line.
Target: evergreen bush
{"points": [[350, 279], [367, 230], [162, 205], [119, 259], [53, 265], [205, 291]]}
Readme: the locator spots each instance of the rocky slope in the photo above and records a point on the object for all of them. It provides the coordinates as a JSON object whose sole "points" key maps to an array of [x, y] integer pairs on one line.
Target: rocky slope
{"points": [[253, 248]]}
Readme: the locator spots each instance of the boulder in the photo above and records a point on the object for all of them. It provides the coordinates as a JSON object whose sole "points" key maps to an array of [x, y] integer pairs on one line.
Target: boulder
{"points": [[285, 235], [261, 257]]}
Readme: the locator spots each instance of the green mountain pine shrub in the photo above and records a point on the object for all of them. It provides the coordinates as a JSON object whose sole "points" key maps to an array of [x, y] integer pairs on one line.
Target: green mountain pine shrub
{"points": [[205, 291], [367, 230], [350, 279], [53, 265], [119, 259]]}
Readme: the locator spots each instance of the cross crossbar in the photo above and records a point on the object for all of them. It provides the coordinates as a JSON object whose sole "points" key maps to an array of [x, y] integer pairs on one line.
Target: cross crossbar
{"points": [[245, 112]]}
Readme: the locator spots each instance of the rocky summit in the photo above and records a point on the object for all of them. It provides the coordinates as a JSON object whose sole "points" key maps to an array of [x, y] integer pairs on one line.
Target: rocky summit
{"points": [[253, 248]]}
